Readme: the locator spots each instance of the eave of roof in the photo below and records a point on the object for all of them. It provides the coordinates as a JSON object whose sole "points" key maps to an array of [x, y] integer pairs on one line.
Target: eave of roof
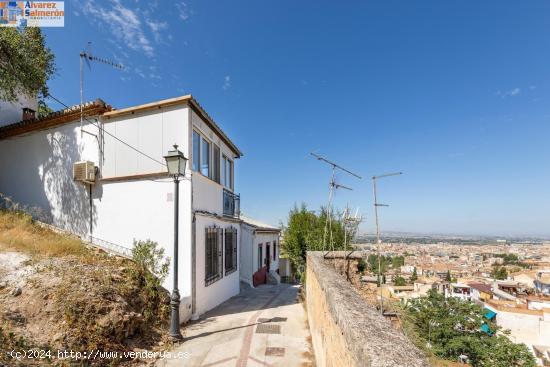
{"points": [[57, 118], [188, 100], [259, 226]]}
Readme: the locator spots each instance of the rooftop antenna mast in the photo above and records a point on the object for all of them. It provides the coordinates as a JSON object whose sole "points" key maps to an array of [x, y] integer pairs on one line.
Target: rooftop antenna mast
{"points": [[86, 56], [332, 187], [351, 224], [378, 241]]}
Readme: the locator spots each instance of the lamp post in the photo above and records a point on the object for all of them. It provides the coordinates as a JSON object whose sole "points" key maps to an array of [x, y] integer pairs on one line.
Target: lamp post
{"points": [[376, 205], [175, 162]]}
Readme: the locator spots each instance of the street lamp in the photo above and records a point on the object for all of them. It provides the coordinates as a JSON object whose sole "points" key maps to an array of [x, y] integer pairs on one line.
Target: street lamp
{"points": [[175, 162], [376, 205]]}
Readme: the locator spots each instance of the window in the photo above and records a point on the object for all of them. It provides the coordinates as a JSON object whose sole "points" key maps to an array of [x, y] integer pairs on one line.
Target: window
{"points": [[196, 150], [205, 157], [230, 250], [216, 163], [227, 172], [260, 256], [274, 250], [213, 255]]}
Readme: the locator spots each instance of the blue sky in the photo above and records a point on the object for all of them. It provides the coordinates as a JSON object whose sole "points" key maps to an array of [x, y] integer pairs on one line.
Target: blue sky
{"points": [[453, 93]]}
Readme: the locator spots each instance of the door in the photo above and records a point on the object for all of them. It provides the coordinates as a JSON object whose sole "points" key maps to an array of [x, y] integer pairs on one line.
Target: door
{"points": [[267, 256]]}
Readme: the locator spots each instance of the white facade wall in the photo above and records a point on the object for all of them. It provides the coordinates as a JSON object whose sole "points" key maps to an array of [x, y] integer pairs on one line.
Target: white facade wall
{"points": [[251, 239], [246, 257], [228, 286], [153, 132], [525, 328], [208, 194], [263, 238], [37, 171], [144, 210]]}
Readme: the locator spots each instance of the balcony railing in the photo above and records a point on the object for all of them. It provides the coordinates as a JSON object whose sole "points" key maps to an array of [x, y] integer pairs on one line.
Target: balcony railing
{"points": [[231, 204]]}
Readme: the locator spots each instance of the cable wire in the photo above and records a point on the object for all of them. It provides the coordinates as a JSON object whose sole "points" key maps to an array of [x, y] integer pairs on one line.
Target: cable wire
{"points": [[111, 135]]}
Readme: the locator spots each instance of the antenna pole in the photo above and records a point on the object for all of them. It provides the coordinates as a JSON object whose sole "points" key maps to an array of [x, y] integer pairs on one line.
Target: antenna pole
{"points": [[378, 244], [332, 187], [82, 55], [378, 241], [87, 56]]}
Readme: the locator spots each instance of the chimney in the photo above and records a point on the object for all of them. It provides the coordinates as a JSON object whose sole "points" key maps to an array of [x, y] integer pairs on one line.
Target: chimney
{"points": [[28, 114]]}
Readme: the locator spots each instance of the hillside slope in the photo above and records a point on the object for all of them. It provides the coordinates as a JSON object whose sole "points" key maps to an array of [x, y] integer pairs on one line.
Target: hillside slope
{"points": [[58, 295]]}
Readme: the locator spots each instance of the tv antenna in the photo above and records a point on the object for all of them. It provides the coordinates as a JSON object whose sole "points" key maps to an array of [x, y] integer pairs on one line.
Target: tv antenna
{"points": [[378, 241], [332, 187], [87, 56]]}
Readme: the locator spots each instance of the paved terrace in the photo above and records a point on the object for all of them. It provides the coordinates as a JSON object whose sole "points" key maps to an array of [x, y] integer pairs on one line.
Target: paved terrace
{"points": [[265, 326]]}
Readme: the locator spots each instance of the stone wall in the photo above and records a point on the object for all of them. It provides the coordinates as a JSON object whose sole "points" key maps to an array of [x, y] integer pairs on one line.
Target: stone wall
{"points": [[345, 330]]}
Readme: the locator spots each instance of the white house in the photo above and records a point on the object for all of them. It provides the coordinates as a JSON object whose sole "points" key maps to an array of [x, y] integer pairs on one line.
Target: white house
{"points": [[260, 250], [131, 197], [459, 290], [528, 324]]}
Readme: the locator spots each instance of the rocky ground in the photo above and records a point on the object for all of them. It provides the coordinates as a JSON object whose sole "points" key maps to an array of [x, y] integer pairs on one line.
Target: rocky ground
{"points": [[83, 302]]}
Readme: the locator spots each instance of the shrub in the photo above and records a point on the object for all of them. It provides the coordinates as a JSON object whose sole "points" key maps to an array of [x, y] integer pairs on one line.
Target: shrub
{"points": [[150, 270], [361, 266]]}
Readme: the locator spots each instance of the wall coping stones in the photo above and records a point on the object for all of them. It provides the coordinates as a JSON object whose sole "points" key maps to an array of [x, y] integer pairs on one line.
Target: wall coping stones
{"points": [[370, 338]]}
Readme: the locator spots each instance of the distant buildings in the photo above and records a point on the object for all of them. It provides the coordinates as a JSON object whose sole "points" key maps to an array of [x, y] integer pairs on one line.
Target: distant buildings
{"points": [[520, 304]]}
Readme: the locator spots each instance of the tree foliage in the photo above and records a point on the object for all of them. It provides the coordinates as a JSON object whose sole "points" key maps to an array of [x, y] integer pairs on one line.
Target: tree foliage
{"points": [[305, 231], [151, 268], [386, 262], [414, 276], [26, 64], [499, 272], [399, 281], [452, 327]]}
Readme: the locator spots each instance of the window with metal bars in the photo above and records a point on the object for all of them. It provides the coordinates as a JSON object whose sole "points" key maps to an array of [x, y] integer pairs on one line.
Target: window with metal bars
{"points": [[230, 250], [213, 256]]}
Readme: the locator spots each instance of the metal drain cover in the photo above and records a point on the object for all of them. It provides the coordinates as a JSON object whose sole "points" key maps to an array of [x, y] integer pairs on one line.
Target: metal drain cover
{"points": [[275, 352], [268, 329]]}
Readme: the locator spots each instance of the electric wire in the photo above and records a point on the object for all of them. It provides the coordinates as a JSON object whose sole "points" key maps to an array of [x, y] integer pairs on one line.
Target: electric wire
{"points": [[112, 135]]}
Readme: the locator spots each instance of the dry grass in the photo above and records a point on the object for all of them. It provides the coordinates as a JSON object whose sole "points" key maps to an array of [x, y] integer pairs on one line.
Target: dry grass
{"points": [[18, 232]]}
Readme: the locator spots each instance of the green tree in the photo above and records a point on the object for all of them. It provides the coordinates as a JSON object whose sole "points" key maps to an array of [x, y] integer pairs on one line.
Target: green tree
{"points": [[399, 281], [448, 276], [26, 64], [499, 272], [305, 232], [397, 261], [453, 327], [414, 276]]}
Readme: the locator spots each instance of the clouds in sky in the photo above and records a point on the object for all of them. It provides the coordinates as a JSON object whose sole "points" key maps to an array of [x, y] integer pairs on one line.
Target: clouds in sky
{"points": [[156, 28], [509, 93], [226, 82], [184, 11], [124, 23], [131, 25]]}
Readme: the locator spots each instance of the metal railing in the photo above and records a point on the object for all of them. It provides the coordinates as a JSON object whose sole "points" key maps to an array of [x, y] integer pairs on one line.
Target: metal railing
{"points": [[231, 204]]}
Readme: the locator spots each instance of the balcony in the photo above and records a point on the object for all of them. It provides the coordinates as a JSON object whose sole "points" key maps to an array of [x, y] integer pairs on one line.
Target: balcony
{"points": [[231, 204]]}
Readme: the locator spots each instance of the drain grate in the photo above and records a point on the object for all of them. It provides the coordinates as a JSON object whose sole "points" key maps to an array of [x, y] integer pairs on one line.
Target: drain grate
{"points": [[275, 352], [268, 329]]}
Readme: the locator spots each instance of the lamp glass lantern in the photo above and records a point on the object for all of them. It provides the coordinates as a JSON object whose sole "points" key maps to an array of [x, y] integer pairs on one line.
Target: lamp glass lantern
{"points": [[176, 162]]}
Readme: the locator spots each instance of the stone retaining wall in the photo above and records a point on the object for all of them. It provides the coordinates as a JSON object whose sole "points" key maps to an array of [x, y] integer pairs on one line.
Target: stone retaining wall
{"points": [[345, 330]]}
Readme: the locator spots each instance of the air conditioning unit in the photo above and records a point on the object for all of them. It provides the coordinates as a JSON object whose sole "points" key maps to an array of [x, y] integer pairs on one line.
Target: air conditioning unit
{"points": [[84, 172]]}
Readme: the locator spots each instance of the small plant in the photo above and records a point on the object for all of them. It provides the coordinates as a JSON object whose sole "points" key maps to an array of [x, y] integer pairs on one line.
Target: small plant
{"points": [[361, 266], [150, 270]]}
